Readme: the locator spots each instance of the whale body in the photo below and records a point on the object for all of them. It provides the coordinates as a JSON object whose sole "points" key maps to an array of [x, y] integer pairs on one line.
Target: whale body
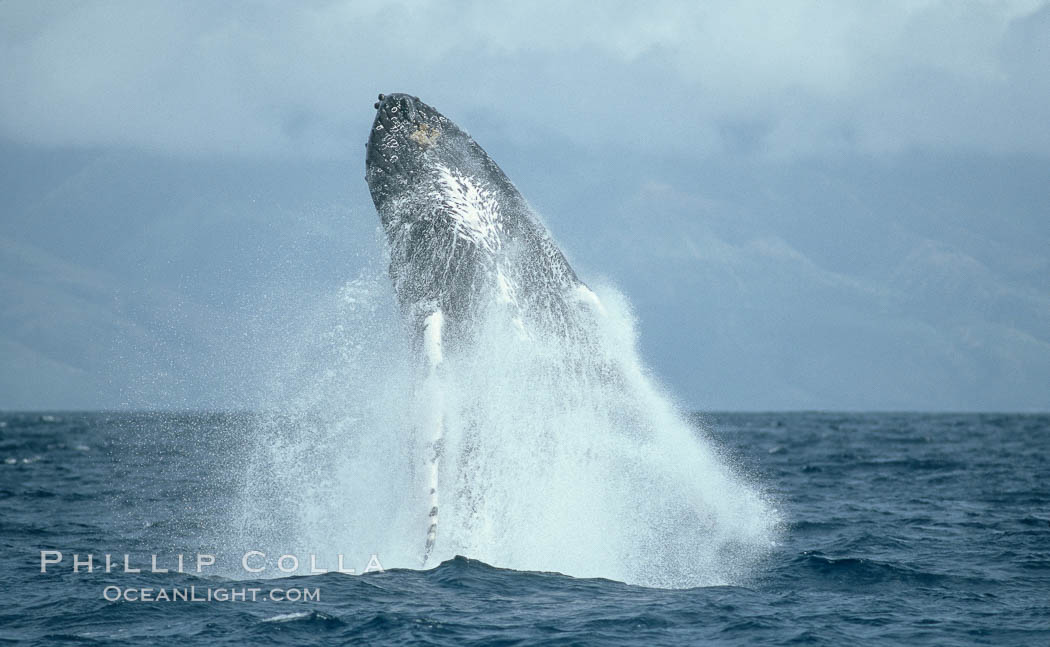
{"points": [[462, 241], [461, 235]]}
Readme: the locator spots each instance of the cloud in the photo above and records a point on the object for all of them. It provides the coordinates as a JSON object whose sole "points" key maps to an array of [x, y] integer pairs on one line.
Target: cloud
{"points": [[783, 80]]}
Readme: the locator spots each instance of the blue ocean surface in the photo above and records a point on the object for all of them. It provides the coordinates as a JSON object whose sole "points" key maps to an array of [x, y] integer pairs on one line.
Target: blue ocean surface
{"points": [[899, 529]]}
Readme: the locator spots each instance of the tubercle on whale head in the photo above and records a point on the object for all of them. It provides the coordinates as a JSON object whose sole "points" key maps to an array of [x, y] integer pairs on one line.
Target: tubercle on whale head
{"points": [[404, 130]]}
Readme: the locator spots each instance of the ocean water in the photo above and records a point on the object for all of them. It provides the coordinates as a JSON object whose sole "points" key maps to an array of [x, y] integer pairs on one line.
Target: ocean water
{"points": [[895, 529]]}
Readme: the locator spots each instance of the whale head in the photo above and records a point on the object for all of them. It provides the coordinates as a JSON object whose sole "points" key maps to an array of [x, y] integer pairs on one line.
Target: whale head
{"points": [[413, 150], [408, 140], [457, 228], [460, 235]]}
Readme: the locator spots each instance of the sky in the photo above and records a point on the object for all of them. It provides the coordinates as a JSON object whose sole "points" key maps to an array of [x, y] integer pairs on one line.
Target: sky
{"points": [[809, 205]]}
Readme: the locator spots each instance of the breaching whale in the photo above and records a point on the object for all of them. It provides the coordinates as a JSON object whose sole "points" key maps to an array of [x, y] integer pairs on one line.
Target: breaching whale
{"points": [[462, 239]]}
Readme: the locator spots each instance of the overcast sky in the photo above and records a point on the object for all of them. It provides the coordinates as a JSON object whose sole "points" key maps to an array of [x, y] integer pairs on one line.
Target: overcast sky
{"points": [[842, 205], [810, 78]]}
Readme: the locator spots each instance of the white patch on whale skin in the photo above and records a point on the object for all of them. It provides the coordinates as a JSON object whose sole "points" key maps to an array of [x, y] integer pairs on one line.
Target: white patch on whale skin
{"points": [[473, 209], [506, 293], [432, 326]]}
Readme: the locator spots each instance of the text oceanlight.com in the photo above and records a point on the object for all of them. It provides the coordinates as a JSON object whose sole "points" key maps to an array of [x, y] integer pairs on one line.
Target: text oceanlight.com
{"points": [[115, 593]]}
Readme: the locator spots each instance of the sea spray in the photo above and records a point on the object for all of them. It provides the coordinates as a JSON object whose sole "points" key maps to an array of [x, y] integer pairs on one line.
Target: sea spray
{"points": [[559, 453]]}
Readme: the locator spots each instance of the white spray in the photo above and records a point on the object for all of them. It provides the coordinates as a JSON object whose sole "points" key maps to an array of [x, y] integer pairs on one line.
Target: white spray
{"points": [[556, 454]]}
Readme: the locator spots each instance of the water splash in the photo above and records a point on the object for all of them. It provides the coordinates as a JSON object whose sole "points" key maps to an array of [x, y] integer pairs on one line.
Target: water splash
{"points": [[560, 453]]}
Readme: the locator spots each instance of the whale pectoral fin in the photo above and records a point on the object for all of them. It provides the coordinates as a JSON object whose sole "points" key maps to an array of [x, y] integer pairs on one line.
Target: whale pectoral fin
{"points": [[432, 332]]}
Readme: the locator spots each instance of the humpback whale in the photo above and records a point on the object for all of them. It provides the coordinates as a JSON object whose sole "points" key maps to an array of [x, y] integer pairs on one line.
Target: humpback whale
{"points": [[462, 239]]}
